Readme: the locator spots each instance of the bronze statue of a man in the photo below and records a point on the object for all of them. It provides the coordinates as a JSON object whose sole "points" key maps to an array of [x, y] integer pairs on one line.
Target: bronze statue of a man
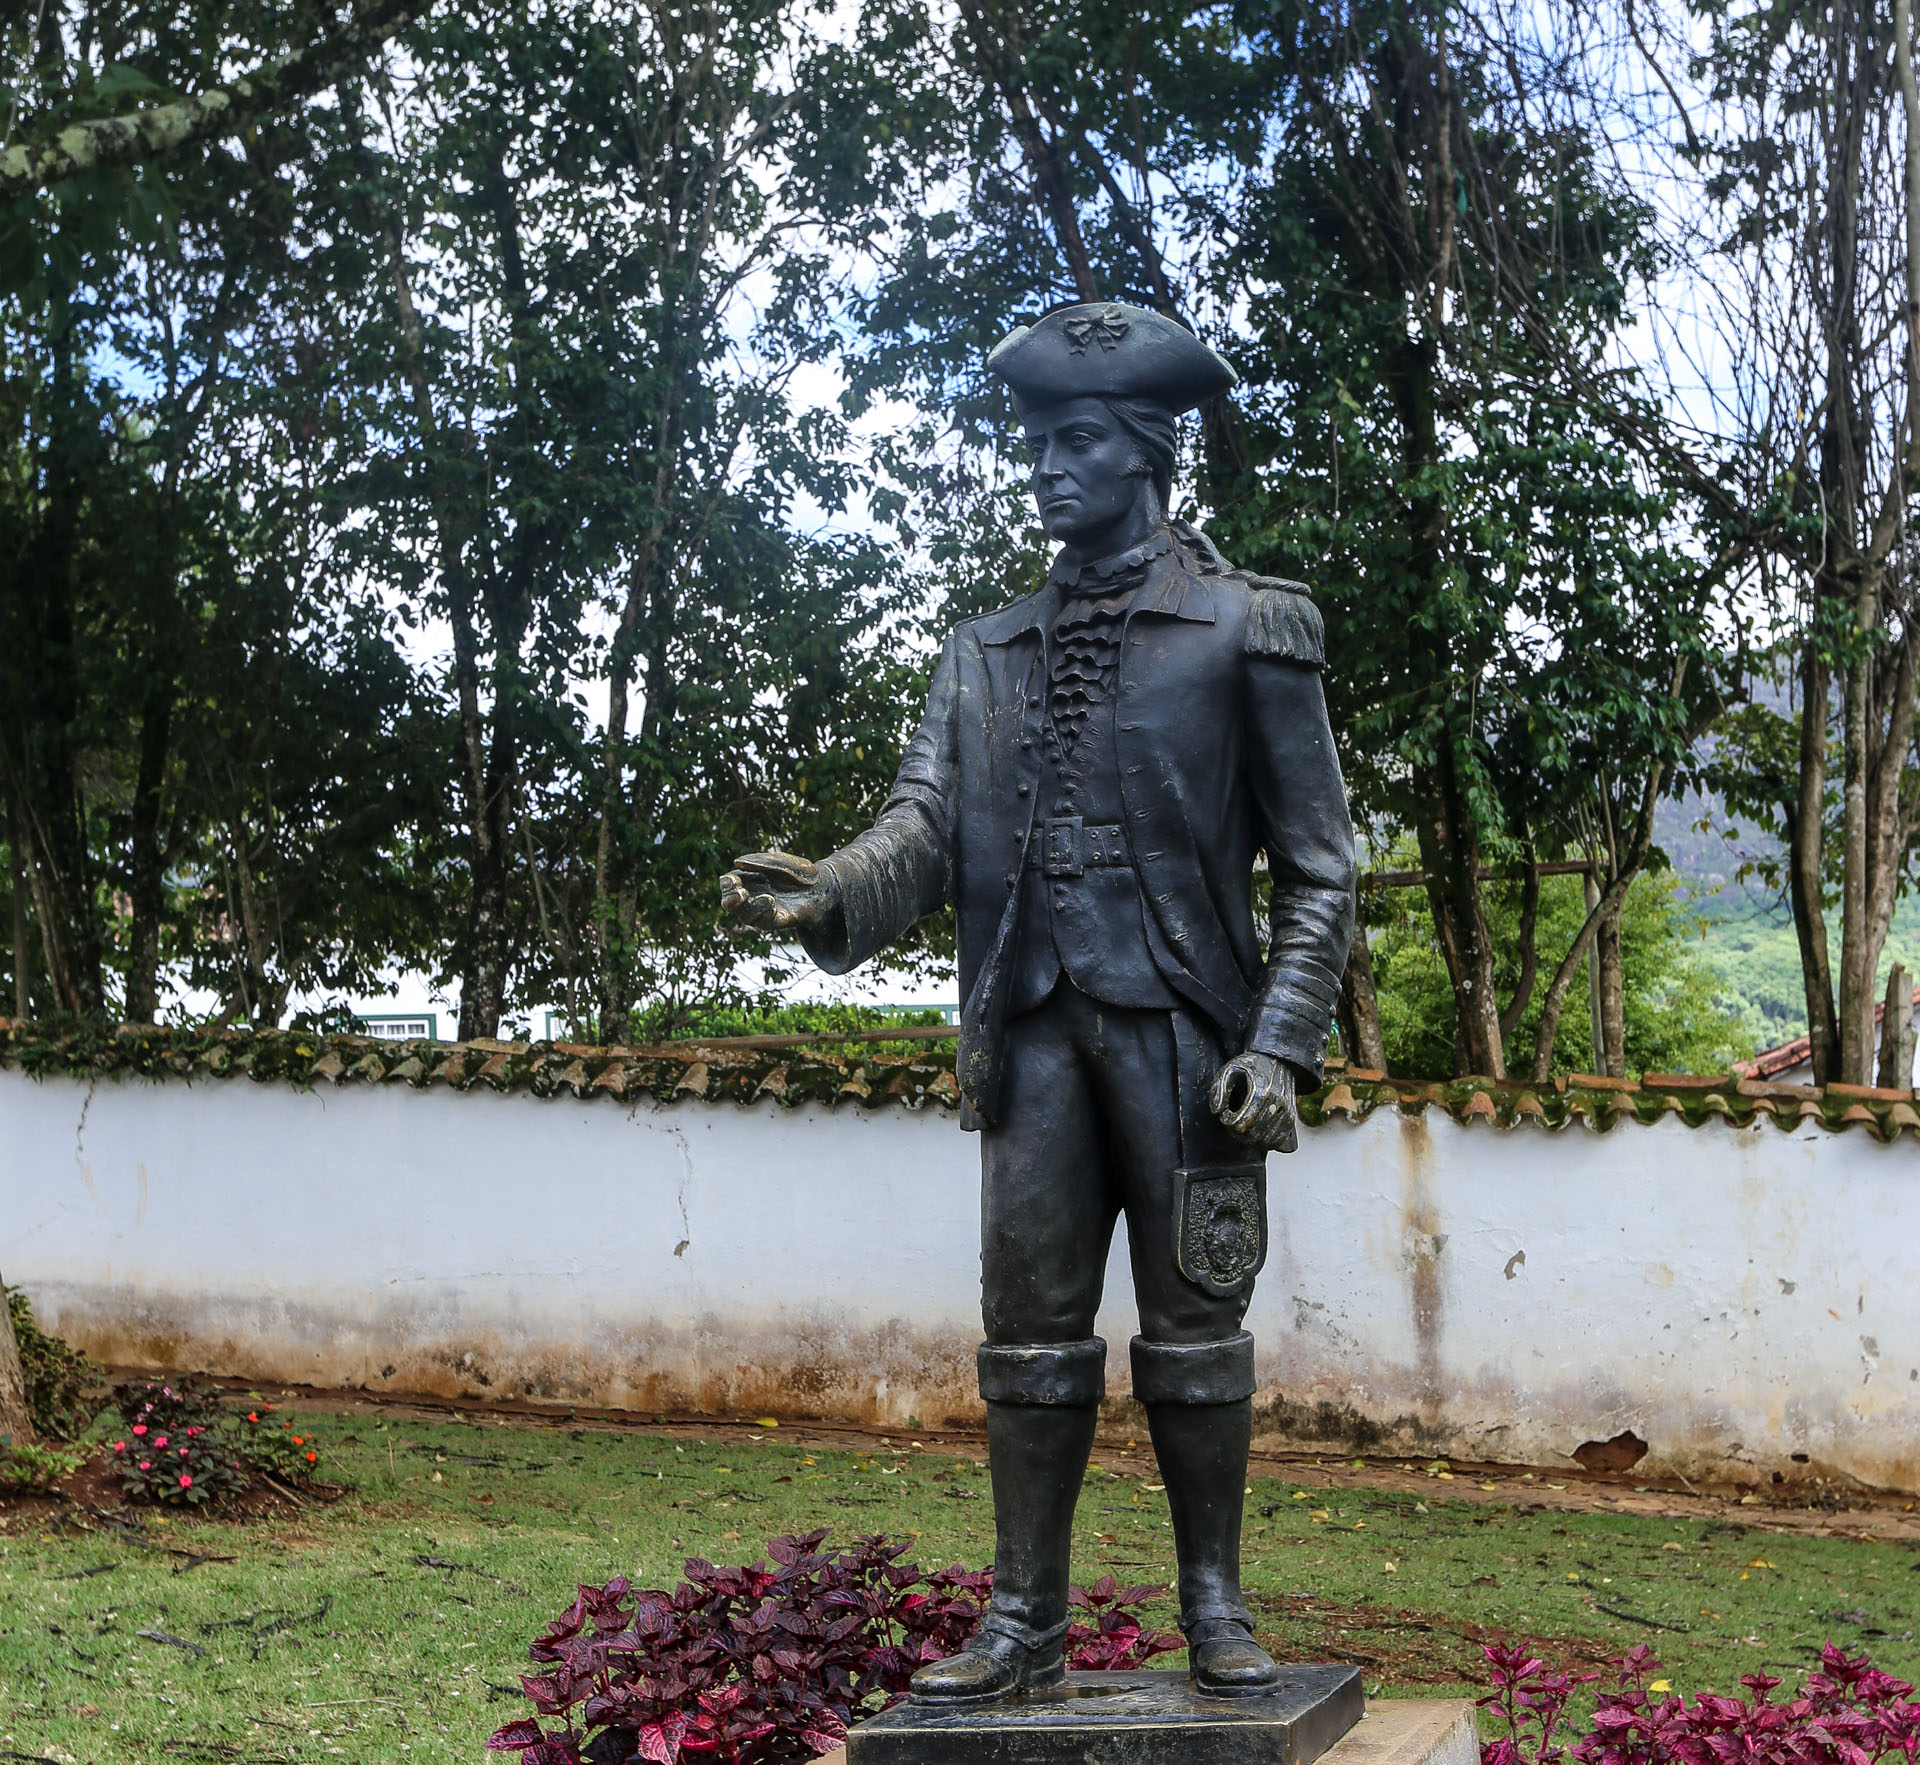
{"points": [[1098, 769]]}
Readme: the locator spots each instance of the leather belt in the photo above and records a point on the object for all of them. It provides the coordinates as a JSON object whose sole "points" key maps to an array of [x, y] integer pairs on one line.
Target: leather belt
{"points": [[1064, 845]]}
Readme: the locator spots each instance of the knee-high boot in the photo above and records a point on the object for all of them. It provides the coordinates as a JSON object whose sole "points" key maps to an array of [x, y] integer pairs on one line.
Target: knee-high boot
{"points": [[1042, 1403], [1199, 1403]]}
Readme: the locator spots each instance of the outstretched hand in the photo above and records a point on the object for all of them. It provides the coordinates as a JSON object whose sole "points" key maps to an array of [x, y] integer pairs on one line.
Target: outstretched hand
{"points": [[1253, 1094], [777, 892]]}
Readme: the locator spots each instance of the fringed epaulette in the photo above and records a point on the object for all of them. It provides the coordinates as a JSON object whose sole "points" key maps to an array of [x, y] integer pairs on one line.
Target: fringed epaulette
{"points": [[1282, 621]]}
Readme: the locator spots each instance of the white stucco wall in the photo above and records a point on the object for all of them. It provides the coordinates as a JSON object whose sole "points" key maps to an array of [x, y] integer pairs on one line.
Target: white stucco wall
{"points": [[1735, 1296]]}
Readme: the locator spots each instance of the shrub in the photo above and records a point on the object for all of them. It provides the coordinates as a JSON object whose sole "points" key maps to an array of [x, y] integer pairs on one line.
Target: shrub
{"points": [[1847, 1713], [183, 1446], [170, 1404], [58, 1377], [769, 1666], [191, 1465], [37, 1467], [268, 1444]]}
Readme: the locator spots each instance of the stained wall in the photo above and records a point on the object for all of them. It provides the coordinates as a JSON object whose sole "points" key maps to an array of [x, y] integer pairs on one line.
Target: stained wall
{"points": [[1744, 1299]]}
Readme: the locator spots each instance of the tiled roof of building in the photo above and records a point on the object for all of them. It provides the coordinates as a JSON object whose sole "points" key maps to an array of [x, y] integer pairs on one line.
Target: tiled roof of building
{"points": [[1770, 1062], [739, 1072]]}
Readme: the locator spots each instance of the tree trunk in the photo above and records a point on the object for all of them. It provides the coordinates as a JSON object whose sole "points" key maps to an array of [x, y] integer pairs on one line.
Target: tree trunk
{"points": [[22, 926], [1450, 855], [46, 693], [1359, 1010], [16, 1424], [1529, 950], [147, 858], [1596, 1021], [1001, 58], [482, 969], [489, 941], [1612, 1052], [1806, 833], [1896, 1032]]}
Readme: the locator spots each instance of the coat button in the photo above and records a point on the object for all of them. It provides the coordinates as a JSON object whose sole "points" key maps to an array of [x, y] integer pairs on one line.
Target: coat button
{"points": [[1024, 791]]}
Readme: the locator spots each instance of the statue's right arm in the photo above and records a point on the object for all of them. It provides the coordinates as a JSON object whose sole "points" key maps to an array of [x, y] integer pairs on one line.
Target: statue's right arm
{"points": [[901, 868]]}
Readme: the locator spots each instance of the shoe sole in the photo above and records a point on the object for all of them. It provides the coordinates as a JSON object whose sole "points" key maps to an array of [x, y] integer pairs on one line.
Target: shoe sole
{"points": [[1233, 1691], [1045, 1680]]}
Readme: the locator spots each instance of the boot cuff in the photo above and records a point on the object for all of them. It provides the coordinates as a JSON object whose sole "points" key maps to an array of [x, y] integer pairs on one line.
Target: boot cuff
{"points": [[1193, 1372], [1065, 1373]]}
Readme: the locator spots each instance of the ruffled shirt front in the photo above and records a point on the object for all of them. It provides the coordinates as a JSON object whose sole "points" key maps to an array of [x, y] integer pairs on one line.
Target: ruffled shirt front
{"points": [[1084, 656]]}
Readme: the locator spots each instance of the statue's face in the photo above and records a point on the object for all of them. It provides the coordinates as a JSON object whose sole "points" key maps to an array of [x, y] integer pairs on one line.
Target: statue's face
{"points": [[1086, 471]]}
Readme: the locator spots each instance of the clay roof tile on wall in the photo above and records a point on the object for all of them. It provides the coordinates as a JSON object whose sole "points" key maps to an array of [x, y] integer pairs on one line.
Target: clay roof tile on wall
{"points": [[792, 1072]]}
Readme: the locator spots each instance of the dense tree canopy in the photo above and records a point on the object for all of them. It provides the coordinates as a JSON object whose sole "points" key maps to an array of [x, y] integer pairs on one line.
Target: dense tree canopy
{"points": [[468, 470]]}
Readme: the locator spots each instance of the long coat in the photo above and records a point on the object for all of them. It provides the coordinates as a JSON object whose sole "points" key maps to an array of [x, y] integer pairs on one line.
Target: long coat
{"points": [[1223, 751]]}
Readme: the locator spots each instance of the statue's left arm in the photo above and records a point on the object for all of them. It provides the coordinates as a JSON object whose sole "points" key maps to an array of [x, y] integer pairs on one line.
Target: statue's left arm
{"points": [[1302, 803]]}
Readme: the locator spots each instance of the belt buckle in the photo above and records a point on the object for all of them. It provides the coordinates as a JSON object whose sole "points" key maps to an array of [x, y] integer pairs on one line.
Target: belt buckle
{"points": [[1062, 851]]}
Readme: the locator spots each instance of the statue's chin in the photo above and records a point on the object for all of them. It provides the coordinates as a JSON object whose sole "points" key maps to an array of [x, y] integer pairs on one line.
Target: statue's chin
{"points": [[1065, 528]]}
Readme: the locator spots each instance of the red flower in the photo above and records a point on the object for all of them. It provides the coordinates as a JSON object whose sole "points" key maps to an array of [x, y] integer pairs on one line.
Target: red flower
{"points": [[186, 1482], [253, 1415], [313, 1458]]}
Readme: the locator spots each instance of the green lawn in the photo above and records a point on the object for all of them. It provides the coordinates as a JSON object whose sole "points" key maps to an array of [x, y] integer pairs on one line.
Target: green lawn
{"points": [[391, 1626]]}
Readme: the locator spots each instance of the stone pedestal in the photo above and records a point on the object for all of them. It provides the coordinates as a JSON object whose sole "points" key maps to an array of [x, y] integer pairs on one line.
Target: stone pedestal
{"points": [[1149, 1717], [1411, 1731]]}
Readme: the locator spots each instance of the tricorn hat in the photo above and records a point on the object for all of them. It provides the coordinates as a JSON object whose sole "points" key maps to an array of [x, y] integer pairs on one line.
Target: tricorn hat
{"points": [[1104, 349]]}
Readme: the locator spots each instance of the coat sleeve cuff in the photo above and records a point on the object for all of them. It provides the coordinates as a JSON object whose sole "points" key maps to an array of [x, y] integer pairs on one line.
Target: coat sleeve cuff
{"points": [[1288, 1034], [830, 948]]}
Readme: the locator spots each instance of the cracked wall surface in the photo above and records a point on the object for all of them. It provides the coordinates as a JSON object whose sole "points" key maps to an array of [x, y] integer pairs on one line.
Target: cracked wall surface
{"points": [[1740, 1299]]}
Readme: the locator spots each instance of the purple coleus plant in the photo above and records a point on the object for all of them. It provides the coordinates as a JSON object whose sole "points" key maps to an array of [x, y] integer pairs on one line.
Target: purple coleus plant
{"points": [[1847, 1713], [770, 1663]]}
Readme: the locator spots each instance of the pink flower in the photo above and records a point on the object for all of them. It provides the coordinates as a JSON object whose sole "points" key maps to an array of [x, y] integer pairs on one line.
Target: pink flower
{"points": [[186, 1482], [159, 1440], [146, 1464], [183, 1452], [139, 1427], [119, 1446]]}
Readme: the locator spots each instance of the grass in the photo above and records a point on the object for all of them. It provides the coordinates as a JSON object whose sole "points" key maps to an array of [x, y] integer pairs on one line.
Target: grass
{"points": [[391, 1626]]}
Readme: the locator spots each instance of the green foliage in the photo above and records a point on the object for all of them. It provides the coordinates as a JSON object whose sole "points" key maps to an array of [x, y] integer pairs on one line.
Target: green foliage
{"points": [[425, 543], [62, 1383], [274, 1444], [1676, 1001], [331, 499], [37, 1466]]}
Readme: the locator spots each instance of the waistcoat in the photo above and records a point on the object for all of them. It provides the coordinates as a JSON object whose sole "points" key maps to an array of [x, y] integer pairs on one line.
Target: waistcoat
{"points": [[1081, 909]]}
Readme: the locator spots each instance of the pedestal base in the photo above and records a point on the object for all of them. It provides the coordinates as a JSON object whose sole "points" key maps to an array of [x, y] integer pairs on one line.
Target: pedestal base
{"points": [[1150, 1717], [1411, 1731]]}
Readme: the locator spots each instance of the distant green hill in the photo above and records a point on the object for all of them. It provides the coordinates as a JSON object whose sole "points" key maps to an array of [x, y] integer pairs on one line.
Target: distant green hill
{"points": [[1746, 931]]}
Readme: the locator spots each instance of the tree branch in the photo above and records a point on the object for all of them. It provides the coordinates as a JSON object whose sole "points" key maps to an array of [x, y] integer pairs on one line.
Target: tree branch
{"points": [[144, 134]]}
